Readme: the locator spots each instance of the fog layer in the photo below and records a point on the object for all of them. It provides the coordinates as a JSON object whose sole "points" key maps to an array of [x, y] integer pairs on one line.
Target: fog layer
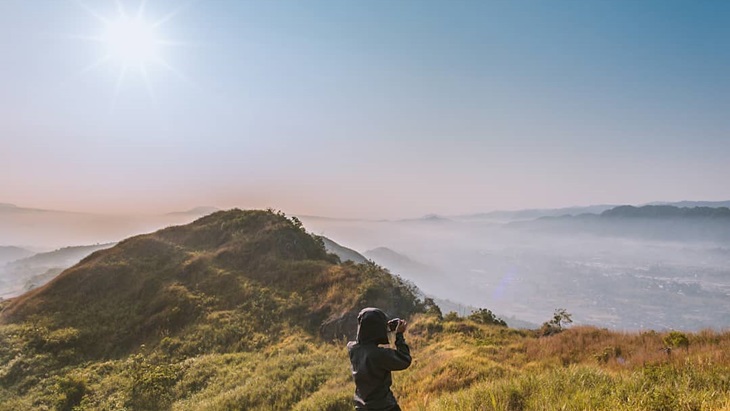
{"points": [[617, 278]]}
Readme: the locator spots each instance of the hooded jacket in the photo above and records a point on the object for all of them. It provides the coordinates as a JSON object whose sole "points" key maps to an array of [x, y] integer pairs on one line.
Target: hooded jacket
{"points": [[371, 364]]}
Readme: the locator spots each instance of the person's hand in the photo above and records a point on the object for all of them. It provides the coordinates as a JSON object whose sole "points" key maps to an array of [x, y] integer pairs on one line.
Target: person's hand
{"points": [[402, 324]]}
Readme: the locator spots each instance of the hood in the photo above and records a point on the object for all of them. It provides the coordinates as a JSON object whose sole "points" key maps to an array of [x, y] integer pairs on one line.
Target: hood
{"points": [[372, 326]]}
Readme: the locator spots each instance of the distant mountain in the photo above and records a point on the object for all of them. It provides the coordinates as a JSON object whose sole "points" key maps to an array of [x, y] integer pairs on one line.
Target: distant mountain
{"points": [[531, 214], [197, 211], [429, 218], [667, 211], [666, 223], [62, 256], [394, 260], [345, 254], [7, 208], [54, 228], [27, 273], [428, 278], [713, 204], [229, 281], [10, 253]]}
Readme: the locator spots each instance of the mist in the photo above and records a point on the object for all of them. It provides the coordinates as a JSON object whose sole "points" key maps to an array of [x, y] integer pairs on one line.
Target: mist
{"points": [[630, 277], [620, 272]]}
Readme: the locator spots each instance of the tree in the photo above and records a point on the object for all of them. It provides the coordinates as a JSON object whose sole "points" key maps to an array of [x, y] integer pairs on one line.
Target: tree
{"points": [[431, 308], [485, 316], [557, 324]]}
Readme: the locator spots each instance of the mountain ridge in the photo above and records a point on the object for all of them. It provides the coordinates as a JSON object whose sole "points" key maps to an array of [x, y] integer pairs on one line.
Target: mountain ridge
{"points": [[236, 264], [655, 222]]}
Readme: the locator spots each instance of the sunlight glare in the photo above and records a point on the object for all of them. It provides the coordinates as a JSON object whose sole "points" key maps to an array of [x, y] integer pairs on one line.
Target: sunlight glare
{"points": [[132, 41]]}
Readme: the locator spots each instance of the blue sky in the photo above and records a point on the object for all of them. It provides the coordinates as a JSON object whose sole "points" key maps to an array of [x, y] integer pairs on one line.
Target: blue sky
{"points": [[373, 109]]}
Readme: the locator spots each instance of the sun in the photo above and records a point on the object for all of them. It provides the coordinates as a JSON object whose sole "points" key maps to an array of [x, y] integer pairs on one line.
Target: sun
{"points": [[132, 42]]}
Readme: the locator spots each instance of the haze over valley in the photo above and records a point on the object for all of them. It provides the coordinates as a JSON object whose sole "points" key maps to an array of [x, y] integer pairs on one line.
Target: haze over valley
{"points": [[664, 272], [629, 268]]}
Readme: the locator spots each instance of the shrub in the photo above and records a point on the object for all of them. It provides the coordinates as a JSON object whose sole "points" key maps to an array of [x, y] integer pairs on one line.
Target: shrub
{"points": [[485, 316], [560, 319], [452, 316], [69, 391], [676, 339], [430, 308]]}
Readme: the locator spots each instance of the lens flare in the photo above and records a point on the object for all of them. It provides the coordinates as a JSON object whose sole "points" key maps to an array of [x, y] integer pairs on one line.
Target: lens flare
{"points": [[132, 42]]}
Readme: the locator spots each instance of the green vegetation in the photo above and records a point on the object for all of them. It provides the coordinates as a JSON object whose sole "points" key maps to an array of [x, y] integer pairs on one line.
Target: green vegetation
{"points": [[485, 316], [557, 324], [244, 310]]}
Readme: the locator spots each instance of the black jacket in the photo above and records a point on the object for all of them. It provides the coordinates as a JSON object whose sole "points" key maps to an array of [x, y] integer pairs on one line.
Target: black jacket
{"points": [[371, 364]]}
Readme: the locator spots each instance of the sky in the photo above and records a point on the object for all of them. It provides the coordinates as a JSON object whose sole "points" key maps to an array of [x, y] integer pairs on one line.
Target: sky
{"points": [[379, 109]]}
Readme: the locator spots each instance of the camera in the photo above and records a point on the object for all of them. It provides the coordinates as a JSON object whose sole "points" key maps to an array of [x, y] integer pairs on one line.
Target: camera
{"points": [[393, 324]]}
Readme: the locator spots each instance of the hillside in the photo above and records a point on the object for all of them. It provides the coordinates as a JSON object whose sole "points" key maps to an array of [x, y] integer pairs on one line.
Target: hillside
{"points": [[245, 310], [344, 253], [27, 273], [251, 267]]}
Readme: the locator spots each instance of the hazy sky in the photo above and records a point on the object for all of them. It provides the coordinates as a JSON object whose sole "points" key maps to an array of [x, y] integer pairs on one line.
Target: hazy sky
{"points": [[366, 108]]}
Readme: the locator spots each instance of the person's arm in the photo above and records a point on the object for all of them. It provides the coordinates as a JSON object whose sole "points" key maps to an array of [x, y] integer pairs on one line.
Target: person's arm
{"points": [[400, 358]]}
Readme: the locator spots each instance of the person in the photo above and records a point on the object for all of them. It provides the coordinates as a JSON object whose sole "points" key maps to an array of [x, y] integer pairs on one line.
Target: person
{"points": [[372, 364]]}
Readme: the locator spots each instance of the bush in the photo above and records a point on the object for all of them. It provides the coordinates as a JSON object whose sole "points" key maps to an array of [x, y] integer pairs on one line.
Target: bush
{"points": [[430, 308], [676, 339], [485, 316], [69, 391], [560, 319], [452, 316]]}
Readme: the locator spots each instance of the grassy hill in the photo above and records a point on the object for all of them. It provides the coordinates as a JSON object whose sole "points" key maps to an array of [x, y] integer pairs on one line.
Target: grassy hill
{"points": [[245, 310]]}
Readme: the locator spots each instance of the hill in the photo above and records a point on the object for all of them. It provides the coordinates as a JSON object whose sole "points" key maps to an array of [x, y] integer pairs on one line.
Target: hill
{"points": [[252, 267], [344, 253], [11, 253], [244, 310], [27, 273]]}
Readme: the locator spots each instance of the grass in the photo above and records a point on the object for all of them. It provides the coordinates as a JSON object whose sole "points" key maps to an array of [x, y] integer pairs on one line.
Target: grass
{"points": [[457, 366], [239, 310]]}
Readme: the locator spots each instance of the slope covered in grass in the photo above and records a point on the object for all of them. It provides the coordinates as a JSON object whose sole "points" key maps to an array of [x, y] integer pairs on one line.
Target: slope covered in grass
{"points": [[244, 310]]}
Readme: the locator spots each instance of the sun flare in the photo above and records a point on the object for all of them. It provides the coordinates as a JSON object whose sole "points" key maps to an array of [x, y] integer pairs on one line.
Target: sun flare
{"points": [[132, 41], [132, 44]]}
